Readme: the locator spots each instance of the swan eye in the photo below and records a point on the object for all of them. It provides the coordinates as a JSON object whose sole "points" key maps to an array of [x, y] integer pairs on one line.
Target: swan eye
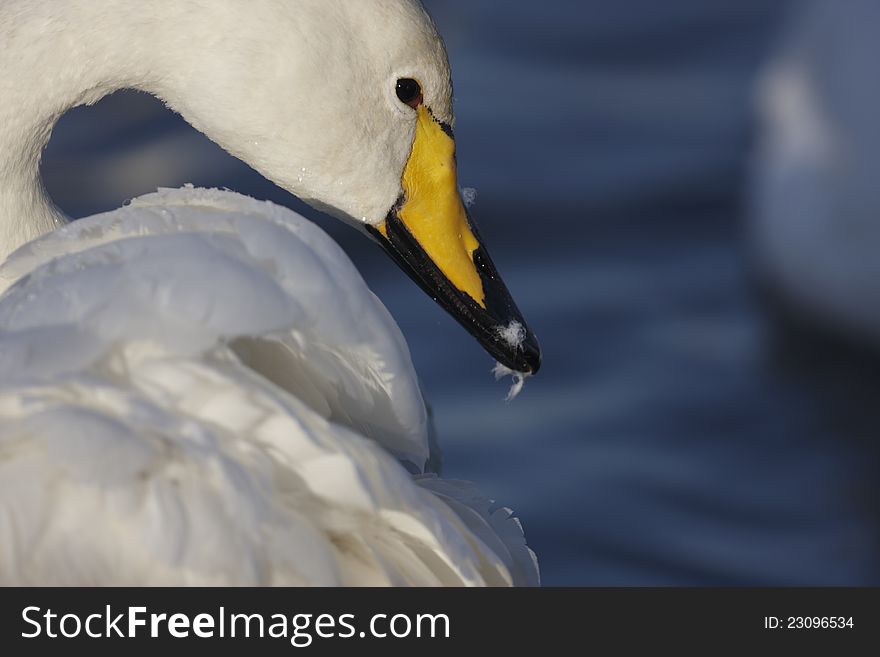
{"points": [[409, 92]]}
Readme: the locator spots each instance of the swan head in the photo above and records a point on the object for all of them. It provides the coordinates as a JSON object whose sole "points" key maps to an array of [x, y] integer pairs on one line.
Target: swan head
{"points": [[348, 105]]}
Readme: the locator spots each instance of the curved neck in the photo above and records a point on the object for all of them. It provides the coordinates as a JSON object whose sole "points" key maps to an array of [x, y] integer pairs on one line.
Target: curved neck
{"points": [[58, 55]]}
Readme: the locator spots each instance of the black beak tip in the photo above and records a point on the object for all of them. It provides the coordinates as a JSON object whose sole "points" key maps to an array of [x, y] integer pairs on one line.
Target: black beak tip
{"points": [[491, 323], [531, 355]]}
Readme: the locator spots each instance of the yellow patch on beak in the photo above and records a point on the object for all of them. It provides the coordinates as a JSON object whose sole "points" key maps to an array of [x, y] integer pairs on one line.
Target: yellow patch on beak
{"points": [[433, 211]]}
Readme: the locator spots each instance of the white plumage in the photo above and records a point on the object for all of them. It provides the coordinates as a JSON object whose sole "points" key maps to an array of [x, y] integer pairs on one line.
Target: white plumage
{"points": [[188, 386], [199, 388]]}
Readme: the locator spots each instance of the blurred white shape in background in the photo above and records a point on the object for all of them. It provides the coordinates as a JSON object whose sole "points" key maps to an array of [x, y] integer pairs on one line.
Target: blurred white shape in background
{"points": [[816, 194]]}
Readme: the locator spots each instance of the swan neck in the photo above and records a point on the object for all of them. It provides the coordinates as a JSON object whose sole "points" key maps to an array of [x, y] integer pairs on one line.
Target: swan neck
{"points": [[58, 55]]}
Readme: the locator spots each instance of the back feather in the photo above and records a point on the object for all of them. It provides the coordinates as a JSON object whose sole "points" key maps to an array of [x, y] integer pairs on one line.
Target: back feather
{"points": [[200, 389]]}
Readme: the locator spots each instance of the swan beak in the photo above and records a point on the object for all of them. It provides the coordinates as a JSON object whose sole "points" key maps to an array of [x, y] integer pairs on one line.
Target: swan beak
{"points": [[432, 238]]}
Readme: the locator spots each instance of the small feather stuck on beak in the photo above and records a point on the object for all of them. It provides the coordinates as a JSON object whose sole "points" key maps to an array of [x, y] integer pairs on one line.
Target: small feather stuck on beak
{"points": [[514, 334], [519, 379]]}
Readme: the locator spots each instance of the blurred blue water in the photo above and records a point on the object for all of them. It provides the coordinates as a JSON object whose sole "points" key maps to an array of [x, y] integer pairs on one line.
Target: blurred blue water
{"points": [[678, 432]]}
